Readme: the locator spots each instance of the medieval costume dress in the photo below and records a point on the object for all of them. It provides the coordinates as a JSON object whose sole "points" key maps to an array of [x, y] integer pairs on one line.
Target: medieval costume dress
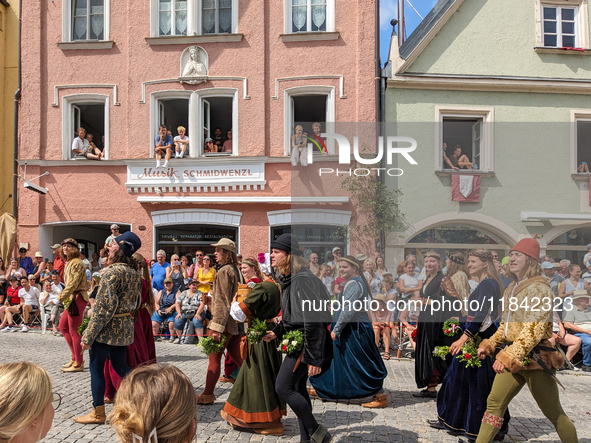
{"points": [[429, 370], [357, 369], [461, 402], [253, 402]]}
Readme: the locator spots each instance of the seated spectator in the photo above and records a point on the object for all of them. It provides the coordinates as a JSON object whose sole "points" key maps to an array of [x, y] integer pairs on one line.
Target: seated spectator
{"points": [[56, 283], [163, 146], [81, 147], [316, 134], [93, 149], [389, 290], [560, 336], [578, 320], [583, 167], [155, 403], [181, 143], [587, 275], [458, 160], [227, 146], [38, 266], [189, 305], [45, 275], [29, 301], [299, 147], [25, 261], [218, 140], [166, 300], [12, 304], [327, 280], [15, 269], [49, 302], [209, 148], [447, 164], [564, 271], [27, 405], [382, 324]]}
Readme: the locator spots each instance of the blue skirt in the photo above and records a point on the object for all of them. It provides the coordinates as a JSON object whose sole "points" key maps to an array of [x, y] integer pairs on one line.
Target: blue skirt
{"points": [[461, 402], [356, 370]]}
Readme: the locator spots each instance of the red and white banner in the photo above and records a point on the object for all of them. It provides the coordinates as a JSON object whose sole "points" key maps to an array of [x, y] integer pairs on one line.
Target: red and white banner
{"points": [[465, 188]]}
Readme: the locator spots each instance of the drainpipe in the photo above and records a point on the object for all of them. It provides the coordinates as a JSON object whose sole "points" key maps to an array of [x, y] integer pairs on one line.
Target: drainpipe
{"points": [[17, 97], [379, 101]]}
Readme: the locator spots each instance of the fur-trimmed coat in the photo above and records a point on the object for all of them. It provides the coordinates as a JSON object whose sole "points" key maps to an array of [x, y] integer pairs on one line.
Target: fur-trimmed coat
{"points": [[523, 329]]}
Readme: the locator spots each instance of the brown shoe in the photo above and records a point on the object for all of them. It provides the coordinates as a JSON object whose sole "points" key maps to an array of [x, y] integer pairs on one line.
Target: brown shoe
{"points": [[74, 368], [67, 365], [312, 393], [227, 380], [204, 399], [270, 431], [96, 416], [379, 401], [108, 400]]}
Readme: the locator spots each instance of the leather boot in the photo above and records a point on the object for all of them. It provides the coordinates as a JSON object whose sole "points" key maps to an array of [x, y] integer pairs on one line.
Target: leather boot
{"points": [[96, 417], [278, 430], [70, 363], [379, 401], [312, 392], [204, 399], [74, 368]]}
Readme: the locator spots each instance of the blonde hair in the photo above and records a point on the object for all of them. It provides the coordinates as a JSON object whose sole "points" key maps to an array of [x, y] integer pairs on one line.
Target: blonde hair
{"points": [[293, 264], [298, 126], [25, 393], [180, 127], [491, 269], [157, 397], [434, 255]]}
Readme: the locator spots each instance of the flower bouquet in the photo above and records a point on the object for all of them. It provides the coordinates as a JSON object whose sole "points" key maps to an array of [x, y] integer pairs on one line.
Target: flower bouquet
{"points": [[292, 342], [469, 353], [209, 346], [67, 302], [256, 331], [441, 351], [83, 326], [450, 327]]}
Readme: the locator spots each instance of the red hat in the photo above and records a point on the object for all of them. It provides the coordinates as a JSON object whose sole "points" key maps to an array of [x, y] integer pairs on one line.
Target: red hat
{"points": [[528, 246]]}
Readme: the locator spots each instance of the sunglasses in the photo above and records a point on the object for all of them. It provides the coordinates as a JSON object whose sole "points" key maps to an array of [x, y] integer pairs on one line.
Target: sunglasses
{"points": [[206, 258], [56, 401], [338, 253], [198, 255]]}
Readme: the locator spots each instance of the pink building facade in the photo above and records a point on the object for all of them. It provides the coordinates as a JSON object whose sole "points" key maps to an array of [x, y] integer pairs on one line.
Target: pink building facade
{"points": [[255, 68]]}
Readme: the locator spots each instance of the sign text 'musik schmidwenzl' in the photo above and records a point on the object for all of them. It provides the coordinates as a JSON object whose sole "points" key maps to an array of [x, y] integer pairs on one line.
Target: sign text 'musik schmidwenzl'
{"points": [[192, 173]]}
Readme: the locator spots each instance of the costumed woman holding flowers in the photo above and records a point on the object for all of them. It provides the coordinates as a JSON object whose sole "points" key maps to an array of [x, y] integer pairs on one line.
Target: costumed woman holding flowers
{"points": [[357, 369], [301, 291], [461, 402]]}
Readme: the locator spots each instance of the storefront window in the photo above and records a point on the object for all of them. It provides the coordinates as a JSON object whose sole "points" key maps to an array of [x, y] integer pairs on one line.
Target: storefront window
{"points": [[318, 239], [184, 240], [572, 245]]}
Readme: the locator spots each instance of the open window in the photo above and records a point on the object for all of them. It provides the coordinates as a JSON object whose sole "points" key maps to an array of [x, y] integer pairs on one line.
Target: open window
{"points": [[217, 114], [91, 112], [173, 113], [583, 143]]}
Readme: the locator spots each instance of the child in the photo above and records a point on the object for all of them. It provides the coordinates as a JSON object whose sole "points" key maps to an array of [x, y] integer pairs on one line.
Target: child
{"points": [[299, 149], [181, 143], [48, 299], [410, 316], [382, 324], [93, 149], [325, 276]]}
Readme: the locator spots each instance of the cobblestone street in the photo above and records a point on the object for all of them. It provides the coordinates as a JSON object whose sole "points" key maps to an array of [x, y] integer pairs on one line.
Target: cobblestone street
{"points": [[402, 421]]}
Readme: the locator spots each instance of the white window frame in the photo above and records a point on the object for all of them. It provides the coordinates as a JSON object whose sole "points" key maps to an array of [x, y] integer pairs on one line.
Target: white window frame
{"points": [[576, 115], [329, 91], [199, 21], [330, 17], [486, 140], [581, 21], [194, 24], [195, 123], [68, 21], [68, 129]]}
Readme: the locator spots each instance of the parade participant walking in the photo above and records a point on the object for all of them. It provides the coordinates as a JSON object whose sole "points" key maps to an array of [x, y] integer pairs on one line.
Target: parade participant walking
{"points": [[430, 370], [253, 402], [298, 285], [456, 270], [225, 286], [74, 298], [524, 333], [461, 402], [357, 369], [111, 327]]}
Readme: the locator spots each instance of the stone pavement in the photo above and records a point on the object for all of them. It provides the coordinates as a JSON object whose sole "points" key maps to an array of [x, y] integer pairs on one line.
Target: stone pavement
{"points": [[402, 421]]}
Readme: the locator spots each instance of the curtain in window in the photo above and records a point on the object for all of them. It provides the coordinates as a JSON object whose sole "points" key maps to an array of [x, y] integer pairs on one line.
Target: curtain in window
{"points": [[225, 16], [80, 19], [97, 18], [319, 15], [181, 17], [298, 14], [208, 18], [165, 16]]}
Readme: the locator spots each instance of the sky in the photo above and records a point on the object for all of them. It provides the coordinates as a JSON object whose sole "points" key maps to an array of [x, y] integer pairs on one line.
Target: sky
{"points": [[389, 10]]}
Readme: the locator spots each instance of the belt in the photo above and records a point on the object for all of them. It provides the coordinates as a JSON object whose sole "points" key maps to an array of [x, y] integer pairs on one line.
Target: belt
{"points": [[125, 314]]}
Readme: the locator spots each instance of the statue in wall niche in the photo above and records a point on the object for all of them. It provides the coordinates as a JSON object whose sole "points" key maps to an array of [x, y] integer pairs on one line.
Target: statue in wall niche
{"points": [[194, 71]]}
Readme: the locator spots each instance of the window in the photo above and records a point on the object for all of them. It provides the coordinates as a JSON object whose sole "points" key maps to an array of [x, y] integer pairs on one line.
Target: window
{"points": [[206, 113], [314, 239], [309, 16], [560, 27], [465, 139], [583, 136], [193, 17], [85, 21], [91, 112]]}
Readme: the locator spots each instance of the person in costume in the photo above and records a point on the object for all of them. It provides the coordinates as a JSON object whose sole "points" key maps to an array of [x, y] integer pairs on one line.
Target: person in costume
{"points": [[461, 402], [253, 402], [75, 293], [143, 350], [525, 333], [357, 369], [456, 270], [300, 288], [430, 370], [225, 286], [111, 327]]}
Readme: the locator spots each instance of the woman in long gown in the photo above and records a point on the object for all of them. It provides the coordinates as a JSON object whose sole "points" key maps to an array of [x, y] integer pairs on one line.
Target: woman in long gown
{"points": [[461, 402], [430, 370], [253, 402], [142, 351], [357, 369]]}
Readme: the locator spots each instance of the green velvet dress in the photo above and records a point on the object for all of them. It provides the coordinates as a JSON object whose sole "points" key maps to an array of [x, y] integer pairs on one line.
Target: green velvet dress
{"points": [[253, 402]]}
